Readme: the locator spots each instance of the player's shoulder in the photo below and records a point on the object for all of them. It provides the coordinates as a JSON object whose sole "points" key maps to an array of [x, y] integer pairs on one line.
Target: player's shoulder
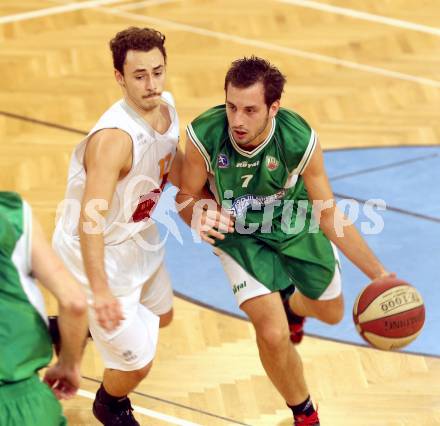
{"points": [[11, 219], [114, 110], [10, 200], [292, 125], [293, 130], [297, 139], [9, 197], [108, 148], [209, 125]]}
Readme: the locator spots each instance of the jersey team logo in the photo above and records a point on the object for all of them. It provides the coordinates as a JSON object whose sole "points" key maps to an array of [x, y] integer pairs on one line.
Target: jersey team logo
{"points": [[271, 163], [222, 161]]}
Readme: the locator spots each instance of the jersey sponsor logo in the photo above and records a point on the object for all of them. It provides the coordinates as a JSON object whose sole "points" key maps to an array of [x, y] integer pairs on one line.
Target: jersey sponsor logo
{"points": [[271, 163], [141, 138], [129, 355], [222, 161], [146, 205], [256, 202], [147, 202], [246, 165], [237, 287]]}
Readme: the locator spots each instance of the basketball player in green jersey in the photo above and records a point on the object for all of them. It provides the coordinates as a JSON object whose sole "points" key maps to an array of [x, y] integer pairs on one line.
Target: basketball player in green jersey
{"points": [[265, 167], [25, 344]]}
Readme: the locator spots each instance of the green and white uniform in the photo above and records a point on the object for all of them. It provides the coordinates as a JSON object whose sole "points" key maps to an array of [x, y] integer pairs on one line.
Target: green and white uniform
{"points": [[25, 345], [276, 241]]}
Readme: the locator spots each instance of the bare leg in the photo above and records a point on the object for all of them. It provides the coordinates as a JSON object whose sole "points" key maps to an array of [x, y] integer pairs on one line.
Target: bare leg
{"points": [[329, 311], [166, 318], [121, 383], [279, 357]]}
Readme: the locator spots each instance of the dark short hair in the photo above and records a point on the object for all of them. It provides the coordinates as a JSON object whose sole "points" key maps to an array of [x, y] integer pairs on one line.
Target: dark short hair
{"points": [[247, 71], [134, 38]]}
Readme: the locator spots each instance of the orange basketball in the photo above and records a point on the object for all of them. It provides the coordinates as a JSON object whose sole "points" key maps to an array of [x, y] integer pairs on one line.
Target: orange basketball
{"points": [[389, 314]]}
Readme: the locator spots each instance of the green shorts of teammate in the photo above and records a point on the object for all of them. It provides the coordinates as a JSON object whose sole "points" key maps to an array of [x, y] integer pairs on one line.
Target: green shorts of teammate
{"points": [[29, 403], [310, 263]]}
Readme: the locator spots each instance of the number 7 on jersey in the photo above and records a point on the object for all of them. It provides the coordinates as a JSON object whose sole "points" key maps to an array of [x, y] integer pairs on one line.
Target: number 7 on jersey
{"points": [[246, 180]]}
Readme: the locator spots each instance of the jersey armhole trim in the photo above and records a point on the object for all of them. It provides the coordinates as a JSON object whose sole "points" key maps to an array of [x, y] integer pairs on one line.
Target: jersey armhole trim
{"points": [[27, 233], [195, 140], [308, 153]]}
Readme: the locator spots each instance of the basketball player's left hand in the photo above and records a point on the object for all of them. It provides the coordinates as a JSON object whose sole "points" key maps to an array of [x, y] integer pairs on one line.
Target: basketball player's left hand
{"points": [[385, 274], [63, 380], [214, 223]]}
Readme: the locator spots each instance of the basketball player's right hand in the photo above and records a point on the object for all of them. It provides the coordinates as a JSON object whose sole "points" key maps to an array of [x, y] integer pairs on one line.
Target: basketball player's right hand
{"points": [[107, 310], [214, 224]]}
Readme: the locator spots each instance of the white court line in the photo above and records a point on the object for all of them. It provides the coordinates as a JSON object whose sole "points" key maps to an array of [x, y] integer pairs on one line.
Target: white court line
{"points": [[146, 412], [70, 7], [145, 3], [274, 47], [364, 16]]}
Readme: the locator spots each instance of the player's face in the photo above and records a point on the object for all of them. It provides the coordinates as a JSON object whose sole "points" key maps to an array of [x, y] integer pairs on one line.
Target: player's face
{"points": [[249, 117], [144, 78]]}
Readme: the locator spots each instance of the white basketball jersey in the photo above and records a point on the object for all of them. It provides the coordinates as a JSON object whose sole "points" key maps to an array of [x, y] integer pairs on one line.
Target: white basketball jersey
{"points": [[129, 233]]}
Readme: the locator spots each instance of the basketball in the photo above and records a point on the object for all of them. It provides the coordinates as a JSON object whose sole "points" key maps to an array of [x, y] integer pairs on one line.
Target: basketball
{"points": [[389, 313]]}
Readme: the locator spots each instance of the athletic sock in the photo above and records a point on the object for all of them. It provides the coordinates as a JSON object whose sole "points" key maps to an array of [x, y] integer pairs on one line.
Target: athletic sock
{"points": [[305, 407], [108, 399]]}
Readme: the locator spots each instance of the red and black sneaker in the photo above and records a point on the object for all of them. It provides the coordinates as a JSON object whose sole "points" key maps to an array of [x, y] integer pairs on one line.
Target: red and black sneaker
{"points": [[296, 322], [304, 420]]}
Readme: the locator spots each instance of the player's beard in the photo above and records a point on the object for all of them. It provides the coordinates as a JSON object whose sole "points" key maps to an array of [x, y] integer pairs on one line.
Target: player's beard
{"points": [[258, 133]]}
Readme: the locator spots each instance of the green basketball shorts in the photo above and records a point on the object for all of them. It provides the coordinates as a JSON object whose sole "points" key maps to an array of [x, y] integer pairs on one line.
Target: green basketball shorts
{"points": [[29, 403], [255, 267]]}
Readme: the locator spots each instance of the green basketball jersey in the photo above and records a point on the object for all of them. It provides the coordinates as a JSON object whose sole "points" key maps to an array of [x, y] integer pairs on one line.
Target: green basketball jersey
{"points": [[275, 239], [25, 344], [262, 186]]}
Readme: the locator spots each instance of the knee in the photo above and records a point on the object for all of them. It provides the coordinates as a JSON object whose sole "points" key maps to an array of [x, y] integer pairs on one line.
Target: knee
{"points": [[166, 318], [272, 338], [332, 316]]}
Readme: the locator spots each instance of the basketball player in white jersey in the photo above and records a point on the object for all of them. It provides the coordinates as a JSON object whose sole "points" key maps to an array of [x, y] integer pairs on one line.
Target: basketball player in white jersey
{"points": [[116, 175]]}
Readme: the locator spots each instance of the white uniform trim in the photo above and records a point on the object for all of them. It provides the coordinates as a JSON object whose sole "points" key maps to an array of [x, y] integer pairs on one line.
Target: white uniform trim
{"points": [[21, 257], [27, 231], [334, 289], [243, 285], [307, 154]]}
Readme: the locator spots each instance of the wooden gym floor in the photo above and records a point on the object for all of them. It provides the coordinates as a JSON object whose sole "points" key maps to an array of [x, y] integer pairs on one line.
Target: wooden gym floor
{"points": [[361, 80]]}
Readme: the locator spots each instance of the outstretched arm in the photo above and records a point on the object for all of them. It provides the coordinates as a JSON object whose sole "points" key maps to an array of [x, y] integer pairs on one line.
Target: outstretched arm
{"points": [[107, 158], [63, 377], [332, 221]]}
